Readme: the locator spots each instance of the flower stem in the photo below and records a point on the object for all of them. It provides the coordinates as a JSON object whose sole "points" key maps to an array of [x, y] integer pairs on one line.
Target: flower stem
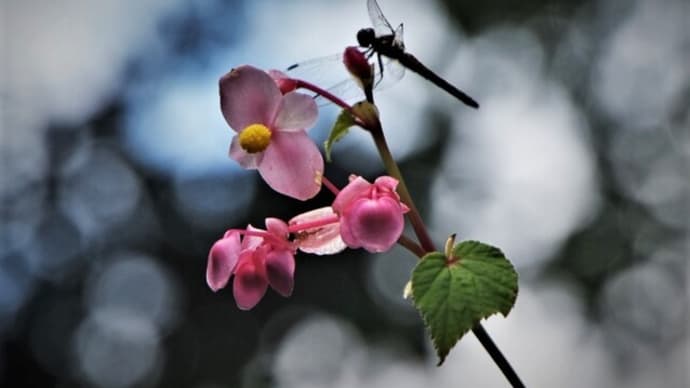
{"points": [[411, 246], [301, 84], [322, 92], [394, 171], [263, 234], [318, 223], [329, 96], [427, 245], [329, 185], [497, 356]]}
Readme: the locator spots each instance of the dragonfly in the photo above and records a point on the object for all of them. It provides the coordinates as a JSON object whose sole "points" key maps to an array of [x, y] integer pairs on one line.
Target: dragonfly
{"points": [[388, 46], [384, 41]]}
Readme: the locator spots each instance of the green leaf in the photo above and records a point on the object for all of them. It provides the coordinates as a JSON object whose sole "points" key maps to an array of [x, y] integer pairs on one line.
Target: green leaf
{"points": [[454, 293], [339, 130]]}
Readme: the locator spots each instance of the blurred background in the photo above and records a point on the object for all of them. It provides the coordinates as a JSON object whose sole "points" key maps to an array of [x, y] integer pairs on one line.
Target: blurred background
{"points": [[115, 181]]}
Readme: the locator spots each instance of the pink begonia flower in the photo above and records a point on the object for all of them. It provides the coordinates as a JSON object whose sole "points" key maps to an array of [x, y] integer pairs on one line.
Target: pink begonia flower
{"points": [[371, 215], [271, 135], [259, 259]]}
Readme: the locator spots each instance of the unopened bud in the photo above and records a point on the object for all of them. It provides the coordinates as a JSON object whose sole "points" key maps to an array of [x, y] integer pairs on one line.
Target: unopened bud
{"points": [[357, 64]]}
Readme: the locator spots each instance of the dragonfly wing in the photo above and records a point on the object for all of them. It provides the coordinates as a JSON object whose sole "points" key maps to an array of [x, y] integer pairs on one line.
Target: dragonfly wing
{"points": [[378, 21], [329, 73], [320, 71], [350, 90], [398, 40], [346, 90], [393, 71]]}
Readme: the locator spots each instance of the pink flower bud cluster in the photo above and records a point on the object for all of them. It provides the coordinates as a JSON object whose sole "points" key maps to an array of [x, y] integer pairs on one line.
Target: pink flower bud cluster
{"points": [[363, 215], [258, 259], [271, 118]]}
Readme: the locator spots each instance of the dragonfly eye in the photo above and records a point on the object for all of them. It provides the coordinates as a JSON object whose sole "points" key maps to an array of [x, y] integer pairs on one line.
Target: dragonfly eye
{"points": [[365, 37]]}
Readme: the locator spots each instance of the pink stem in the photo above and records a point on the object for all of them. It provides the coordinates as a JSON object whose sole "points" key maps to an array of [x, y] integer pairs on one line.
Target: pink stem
{"points": [[309, 86], [329, 96], [329, 185], [276, 241], [333, 218]]}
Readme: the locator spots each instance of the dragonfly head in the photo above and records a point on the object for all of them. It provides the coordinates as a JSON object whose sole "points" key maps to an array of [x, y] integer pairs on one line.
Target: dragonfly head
{"points": [[366, 37]]}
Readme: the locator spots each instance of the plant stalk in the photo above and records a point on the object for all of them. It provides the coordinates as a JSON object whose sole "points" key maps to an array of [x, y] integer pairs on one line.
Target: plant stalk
{"points": [[428, 246]]}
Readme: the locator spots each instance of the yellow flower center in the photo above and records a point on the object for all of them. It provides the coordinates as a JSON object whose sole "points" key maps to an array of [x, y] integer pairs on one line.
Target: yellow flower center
{"points": [[255, 138]]}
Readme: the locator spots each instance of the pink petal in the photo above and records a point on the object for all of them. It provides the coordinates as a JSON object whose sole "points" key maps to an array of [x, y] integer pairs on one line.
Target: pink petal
{"points": [[280, 270], [248, 96], [354, 190], [387, 182], [297, 111], [375, 225], [292, 165], [222, 259], [346, 233], [277, 227], [252, 242], [245, 159], [277, 74], [321, 240], [250, 282]]}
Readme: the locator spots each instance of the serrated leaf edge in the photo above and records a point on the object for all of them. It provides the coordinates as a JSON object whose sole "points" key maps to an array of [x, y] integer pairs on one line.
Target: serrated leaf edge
{"points": [[483, 315]]}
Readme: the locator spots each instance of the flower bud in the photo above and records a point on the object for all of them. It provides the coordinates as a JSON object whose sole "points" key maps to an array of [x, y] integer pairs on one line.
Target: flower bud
{"points": [[371, 215], [357, 64]]}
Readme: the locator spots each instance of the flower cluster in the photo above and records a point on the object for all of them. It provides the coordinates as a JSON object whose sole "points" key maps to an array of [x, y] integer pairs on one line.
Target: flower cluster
{"points": [[270, 119], [452, 290], [258, 259]]}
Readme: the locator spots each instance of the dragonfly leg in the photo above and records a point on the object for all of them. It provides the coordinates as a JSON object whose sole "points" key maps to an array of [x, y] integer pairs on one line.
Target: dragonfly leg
{"points": [[380, 68]]}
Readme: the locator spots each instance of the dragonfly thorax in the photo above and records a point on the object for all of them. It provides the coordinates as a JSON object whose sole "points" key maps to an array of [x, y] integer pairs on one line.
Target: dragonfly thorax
{"points": [[366, 37]]}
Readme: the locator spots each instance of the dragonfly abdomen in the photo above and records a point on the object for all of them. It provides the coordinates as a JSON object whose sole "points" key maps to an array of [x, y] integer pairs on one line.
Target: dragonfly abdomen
{"points": [[409, 61]]}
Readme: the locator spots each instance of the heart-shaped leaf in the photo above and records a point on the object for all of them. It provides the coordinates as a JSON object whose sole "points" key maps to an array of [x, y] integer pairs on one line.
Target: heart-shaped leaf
{"points": [[453, 293]]}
